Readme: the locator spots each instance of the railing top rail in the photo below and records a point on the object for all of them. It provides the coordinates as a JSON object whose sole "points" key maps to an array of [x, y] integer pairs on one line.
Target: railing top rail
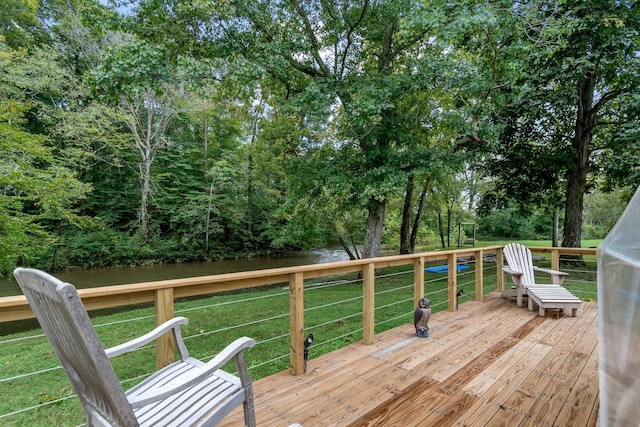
{"points": [[16, 307], [278, 274], [564, 251]]}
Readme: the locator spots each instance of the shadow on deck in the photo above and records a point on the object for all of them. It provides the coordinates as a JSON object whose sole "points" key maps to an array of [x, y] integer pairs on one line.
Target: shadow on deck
{"points": [[488, 364]]}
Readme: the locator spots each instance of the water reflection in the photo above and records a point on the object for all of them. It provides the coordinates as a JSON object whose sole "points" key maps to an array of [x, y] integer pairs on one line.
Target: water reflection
{"points": [[96, 277]]}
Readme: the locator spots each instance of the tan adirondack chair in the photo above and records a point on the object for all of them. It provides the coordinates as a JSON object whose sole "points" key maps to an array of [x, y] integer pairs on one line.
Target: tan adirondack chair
{"points": [[186, 393], [520, 267]]}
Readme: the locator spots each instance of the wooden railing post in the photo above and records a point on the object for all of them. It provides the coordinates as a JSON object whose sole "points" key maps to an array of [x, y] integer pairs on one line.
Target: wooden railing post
{"points": [[555, 259], [164, 312], [418, 280], [499, 272], [368, 303], [296, 322], [453, 280], [479, 275]]}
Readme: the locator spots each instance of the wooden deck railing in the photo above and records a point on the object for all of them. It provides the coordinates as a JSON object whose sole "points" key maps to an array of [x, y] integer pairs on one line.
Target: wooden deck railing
{"points": [[164, 292]]}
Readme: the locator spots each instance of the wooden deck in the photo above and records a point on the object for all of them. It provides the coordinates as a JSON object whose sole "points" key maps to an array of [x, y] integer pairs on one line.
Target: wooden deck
{"points": [[488, 364]]}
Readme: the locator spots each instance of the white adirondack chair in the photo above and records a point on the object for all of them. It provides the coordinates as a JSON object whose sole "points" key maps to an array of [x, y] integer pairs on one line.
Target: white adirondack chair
{"points": [[186, 393], [520, 267]]}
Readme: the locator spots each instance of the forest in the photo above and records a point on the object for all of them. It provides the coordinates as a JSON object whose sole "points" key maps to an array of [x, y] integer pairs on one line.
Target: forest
{"points": [[157, 131]]}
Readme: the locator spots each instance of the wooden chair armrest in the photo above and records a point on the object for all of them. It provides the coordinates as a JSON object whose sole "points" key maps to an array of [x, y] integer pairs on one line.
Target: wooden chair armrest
{"points": [[136, 343], [194, 376]]}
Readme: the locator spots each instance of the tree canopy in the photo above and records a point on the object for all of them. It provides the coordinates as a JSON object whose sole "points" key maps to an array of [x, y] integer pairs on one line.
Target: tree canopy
{"points": [[149, 131]]}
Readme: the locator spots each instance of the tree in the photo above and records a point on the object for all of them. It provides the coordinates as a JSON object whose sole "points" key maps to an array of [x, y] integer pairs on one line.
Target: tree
{"points": [[36, 190], [528, 165], [136, 76], [52, 109], [357, 58], [563, 74], [18, 21], [620, 159], [583, 65]]}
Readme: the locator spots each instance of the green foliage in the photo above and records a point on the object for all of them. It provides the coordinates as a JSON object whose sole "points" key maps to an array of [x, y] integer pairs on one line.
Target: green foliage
{"points": [[18, 21], [578, 74], [602, 211], [621, 157], [513, 223], [278, 136], [529, 164], [36, 191], [94, 247], [128, 69]]}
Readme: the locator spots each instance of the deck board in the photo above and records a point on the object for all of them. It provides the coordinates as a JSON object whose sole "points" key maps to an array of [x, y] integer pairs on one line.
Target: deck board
{"points": [[488, 364]]}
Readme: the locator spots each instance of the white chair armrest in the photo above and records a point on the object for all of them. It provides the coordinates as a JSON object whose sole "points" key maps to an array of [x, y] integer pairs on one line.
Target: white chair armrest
{"points": [[557, 276], [509, 270], [136, 343], [551, 272], [193, 377]]}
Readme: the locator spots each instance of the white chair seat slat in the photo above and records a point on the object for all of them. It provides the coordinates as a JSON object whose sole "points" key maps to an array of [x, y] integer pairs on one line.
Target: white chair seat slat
{"points": [[551, 296], [162, 377], [219, 402], [189, 406]]}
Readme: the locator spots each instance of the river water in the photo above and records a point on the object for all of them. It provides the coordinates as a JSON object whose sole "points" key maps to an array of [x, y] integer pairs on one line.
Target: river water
{"points": [[95, 277]]}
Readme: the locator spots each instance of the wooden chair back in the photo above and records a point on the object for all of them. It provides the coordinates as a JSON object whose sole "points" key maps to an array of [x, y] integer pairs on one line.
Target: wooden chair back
{"points": [[66, 323]]}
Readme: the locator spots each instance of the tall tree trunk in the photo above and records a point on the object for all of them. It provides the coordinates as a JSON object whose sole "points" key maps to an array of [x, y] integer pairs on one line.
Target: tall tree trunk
{"points": [[375, 224], [208, 219], [254, 136], [206, 144], [449, 214], [440, 229], [577, 174], [554, 240], [410, 225], [250, 193], [379, 153], [405, 237], [145, 190], [148, 117], [473, 190], [418, 218], [207, 179], [144, 132]]}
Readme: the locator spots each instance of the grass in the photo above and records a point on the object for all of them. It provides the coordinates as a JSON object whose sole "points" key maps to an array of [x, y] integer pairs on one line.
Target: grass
{"points": [[333, 313]]}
